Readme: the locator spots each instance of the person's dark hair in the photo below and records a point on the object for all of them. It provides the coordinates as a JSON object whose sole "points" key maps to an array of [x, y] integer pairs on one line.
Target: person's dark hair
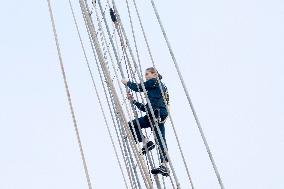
{"points": [[166, 93], [153, 70]]}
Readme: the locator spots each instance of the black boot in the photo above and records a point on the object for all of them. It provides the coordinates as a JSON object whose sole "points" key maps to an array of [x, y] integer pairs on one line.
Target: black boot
{"points": [[150, 146], [161, 170]]}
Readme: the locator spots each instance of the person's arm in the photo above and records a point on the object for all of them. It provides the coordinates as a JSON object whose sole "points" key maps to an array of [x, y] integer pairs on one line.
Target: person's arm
{"points": [[150, 84], [139, 105]]}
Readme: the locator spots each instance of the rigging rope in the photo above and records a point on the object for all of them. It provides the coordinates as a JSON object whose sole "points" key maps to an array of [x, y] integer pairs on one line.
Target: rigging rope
{"points": [[131, 163], [133, 36], [142, 84], [69, 95], [154, 65], [96, 90], [127, 60], [114, 19], [125, 143], [140, 69], [132, 105], [135, 112], [188, 96], [120, 112], [102, 51]]}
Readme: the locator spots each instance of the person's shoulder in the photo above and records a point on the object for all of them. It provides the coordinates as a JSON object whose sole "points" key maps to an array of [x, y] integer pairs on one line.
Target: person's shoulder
{"points": [[153, 80], [152, 83]]}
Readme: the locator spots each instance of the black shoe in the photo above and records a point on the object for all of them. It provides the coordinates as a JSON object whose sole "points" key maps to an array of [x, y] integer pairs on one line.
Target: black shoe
{"points": [[161, 170], [150, 146]]}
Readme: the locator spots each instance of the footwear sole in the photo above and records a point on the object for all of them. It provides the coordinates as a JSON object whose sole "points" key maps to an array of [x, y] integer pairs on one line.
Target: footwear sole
{"points": [[165, 174], [149, 149]]}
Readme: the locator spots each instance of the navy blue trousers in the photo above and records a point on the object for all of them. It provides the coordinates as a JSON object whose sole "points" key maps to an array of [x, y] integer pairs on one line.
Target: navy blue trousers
{"points": [[145, 123]]}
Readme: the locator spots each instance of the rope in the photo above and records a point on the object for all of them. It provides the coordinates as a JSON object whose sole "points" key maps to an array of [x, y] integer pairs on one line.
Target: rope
{"points": [[188, 96], [120, 68], [133, 36], [126, 146], [130, 161], [69, 96], [171, 120], [96, 91], [137, 54], [128, 60], [114, 19], [134, 110], [148, 101], [124, 141], [120, 112]]}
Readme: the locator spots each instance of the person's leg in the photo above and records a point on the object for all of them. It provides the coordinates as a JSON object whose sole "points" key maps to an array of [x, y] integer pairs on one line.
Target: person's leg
{"points": [[161, 139], [135, 129], [145, 123], [161, 116]]}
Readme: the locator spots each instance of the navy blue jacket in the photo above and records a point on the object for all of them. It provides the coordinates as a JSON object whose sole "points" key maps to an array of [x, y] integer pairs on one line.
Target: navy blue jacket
{"points": [[154, 94]]}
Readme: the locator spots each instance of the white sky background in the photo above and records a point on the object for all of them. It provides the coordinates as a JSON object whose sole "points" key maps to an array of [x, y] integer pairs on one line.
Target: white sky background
{"points": [[230, 53]]}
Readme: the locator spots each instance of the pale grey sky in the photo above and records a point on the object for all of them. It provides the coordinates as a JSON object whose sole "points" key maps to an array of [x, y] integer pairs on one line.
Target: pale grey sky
{"points": [[231, 55]]}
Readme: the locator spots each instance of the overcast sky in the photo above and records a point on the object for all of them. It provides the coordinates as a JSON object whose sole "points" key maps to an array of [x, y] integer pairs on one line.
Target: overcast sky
{"points": [[230, 53]]}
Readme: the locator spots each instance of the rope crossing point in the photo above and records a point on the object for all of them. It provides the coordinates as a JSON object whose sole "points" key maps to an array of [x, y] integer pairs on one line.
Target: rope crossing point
{"points": [[69, 96]]}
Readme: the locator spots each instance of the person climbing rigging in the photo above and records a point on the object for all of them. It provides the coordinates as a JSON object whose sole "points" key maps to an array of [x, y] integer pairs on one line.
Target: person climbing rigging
{"points": [[159, 106]]}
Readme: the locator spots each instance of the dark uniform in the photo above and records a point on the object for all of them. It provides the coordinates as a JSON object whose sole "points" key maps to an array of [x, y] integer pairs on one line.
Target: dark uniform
{"points": [[160, 110]]}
